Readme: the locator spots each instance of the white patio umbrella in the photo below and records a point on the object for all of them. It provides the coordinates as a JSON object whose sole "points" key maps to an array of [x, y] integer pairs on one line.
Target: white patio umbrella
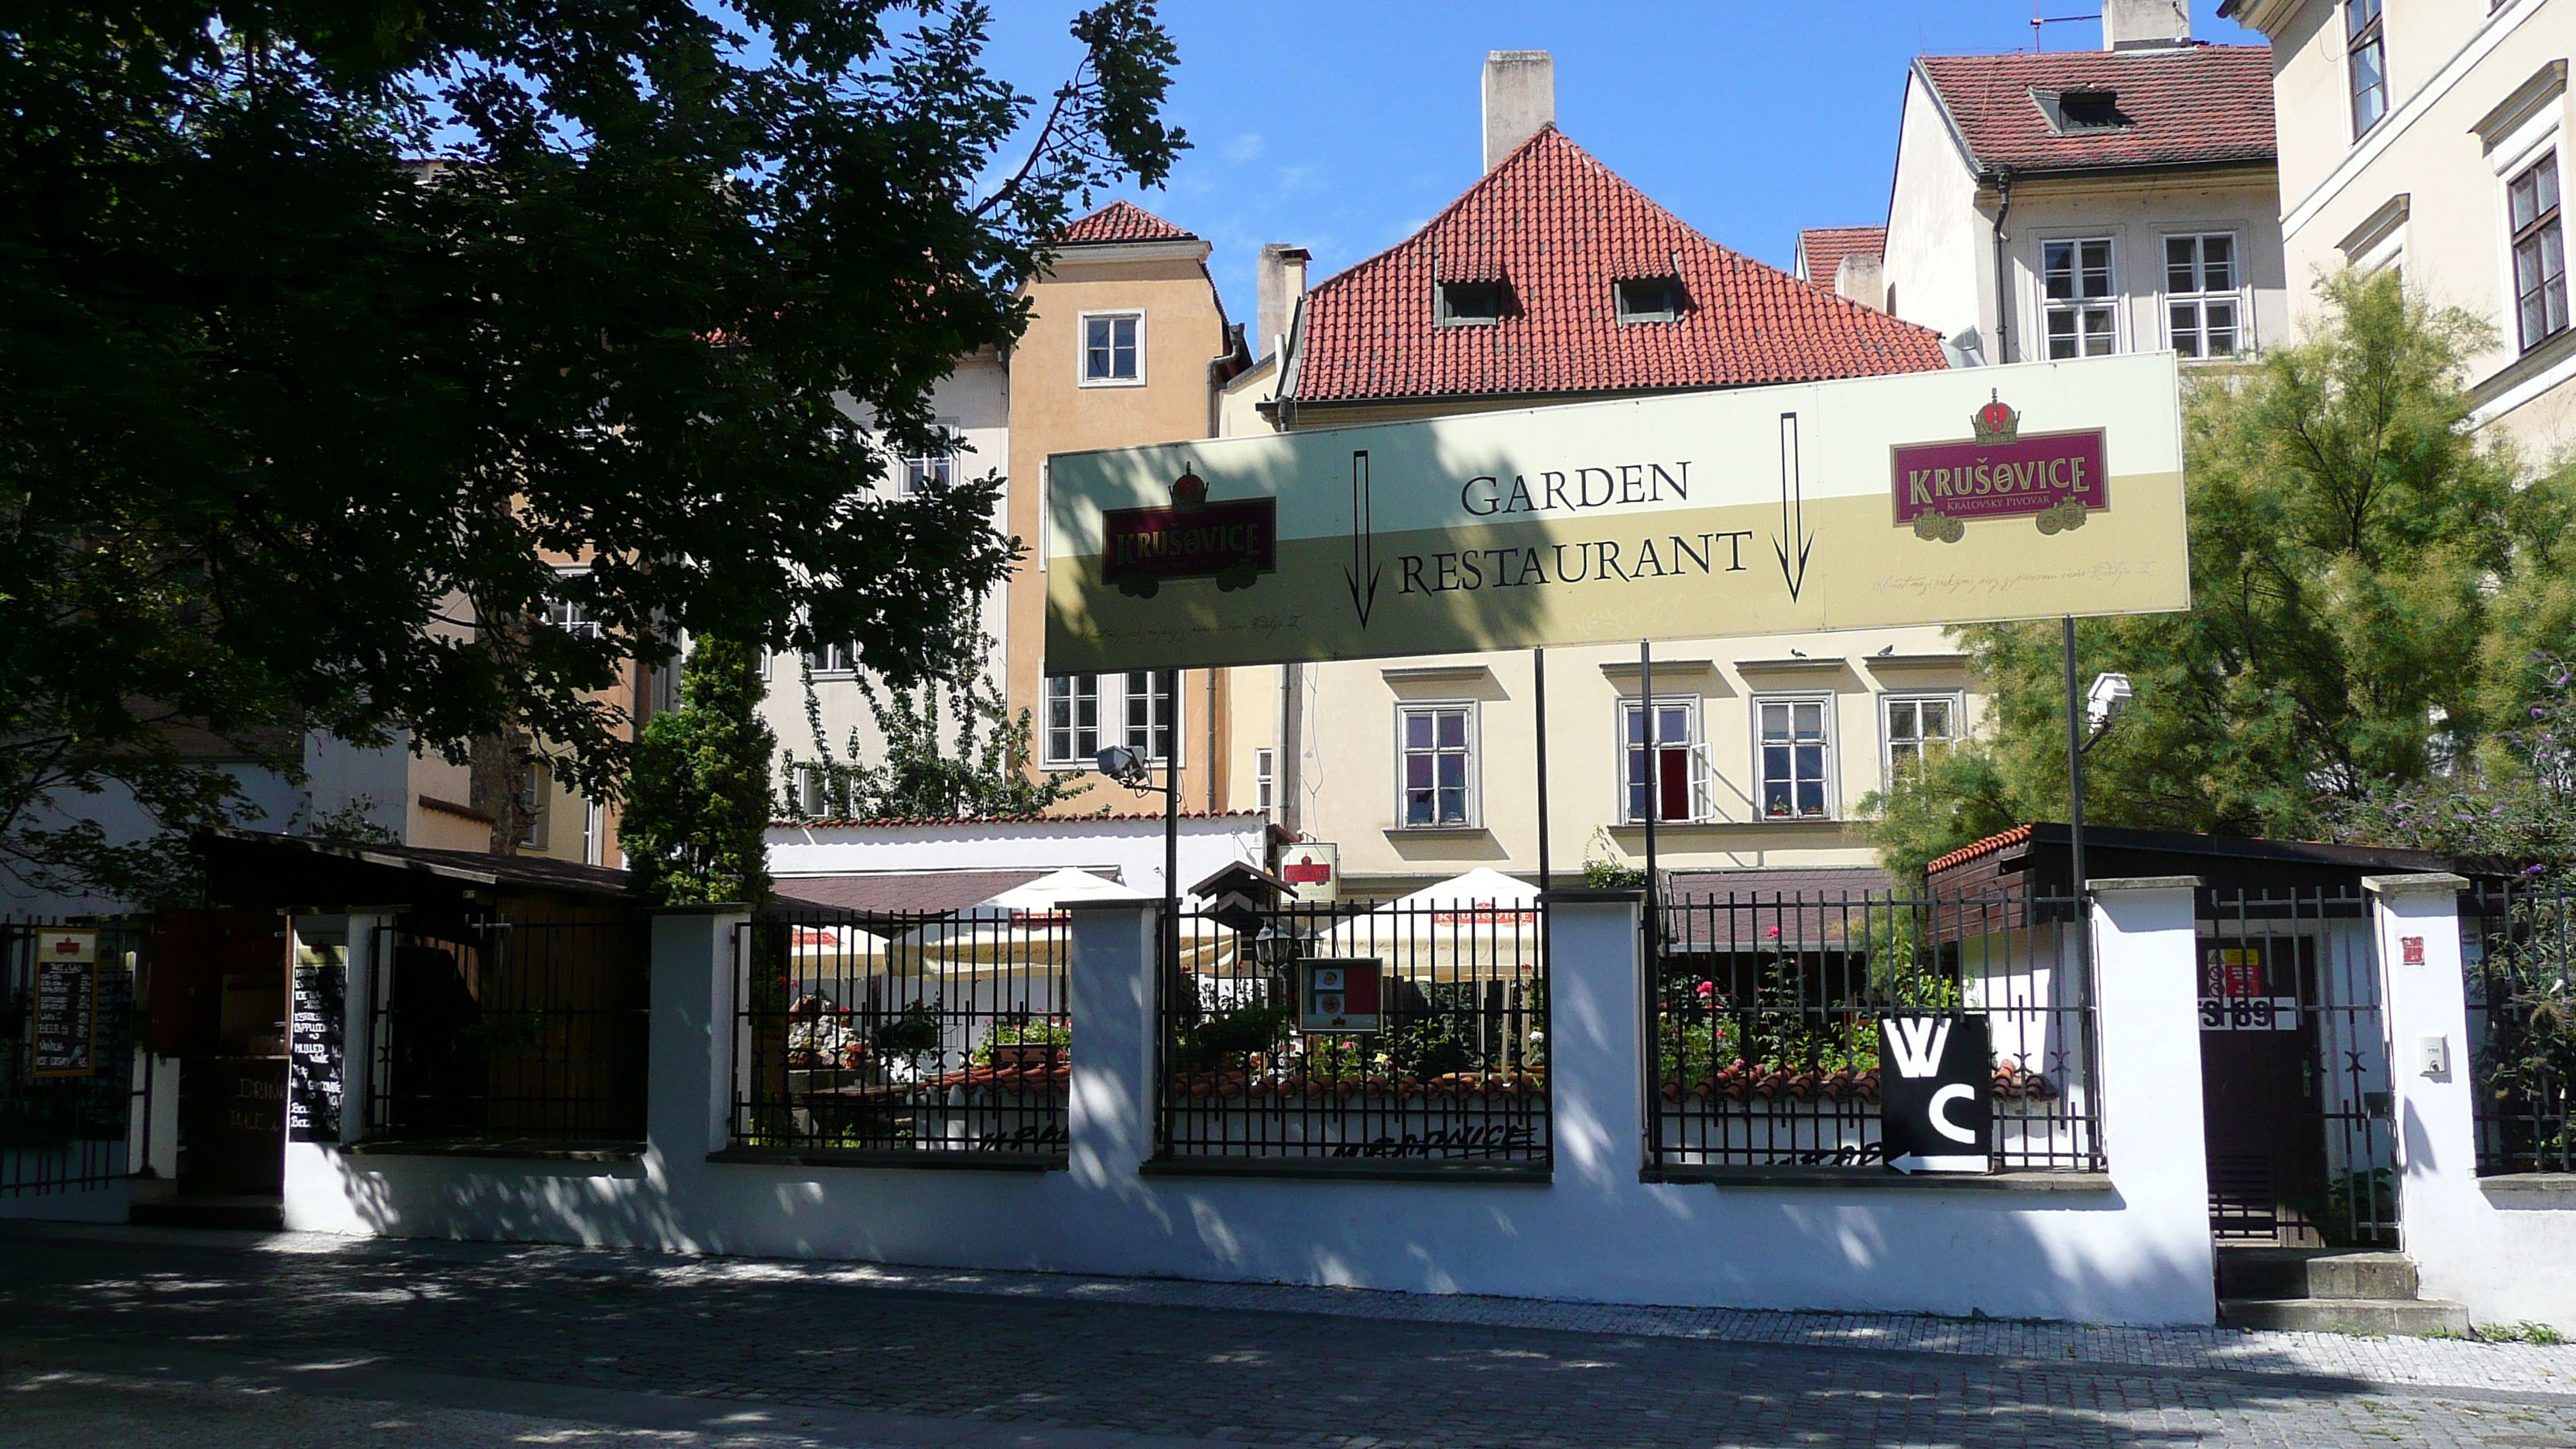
{"points": [[1479, 926], [1024, 929]]}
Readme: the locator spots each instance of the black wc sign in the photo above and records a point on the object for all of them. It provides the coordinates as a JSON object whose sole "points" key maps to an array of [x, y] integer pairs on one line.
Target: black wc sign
{"points": [[1936, 1104]]}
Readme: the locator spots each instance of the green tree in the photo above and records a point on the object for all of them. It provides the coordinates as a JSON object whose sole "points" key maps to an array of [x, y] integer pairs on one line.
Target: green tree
{"points": [[2370, 577], [295, 425], [696, 818], [953, 751]]}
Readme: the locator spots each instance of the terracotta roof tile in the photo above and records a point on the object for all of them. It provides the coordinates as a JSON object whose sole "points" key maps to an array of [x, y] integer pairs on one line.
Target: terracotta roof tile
{"points": [[1562, 229], [1988, 846], [1822, 249], [1120, 221], [2198, 103]]}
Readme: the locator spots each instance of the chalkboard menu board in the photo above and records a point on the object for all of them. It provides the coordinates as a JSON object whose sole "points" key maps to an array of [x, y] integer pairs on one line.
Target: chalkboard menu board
{"points": [[314, 1044], [66, 1004]]}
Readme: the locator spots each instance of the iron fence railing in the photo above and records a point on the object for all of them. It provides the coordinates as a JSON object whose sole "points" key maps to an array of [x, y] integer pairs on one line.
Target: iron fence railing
{"points": [[1410, 1035], [1766, 1012], [2294, 1070], [2519, 965], [66, 1058], [903, 1033], [498, 1030]]}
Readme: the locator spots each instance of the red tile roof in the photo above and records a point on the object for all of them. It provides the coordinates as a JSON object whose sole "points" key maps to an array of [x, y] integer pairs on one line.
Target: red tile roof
{"points": [[1562, 230], [1823, 248], [2198, 104], [1120, 221], [1988, 846]]}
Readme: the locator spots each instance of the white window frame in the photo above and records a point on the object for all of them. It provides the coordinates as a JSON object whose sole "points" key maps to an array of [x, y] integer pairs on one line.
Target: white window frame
{"points": [[2352, 46], [1473, 803], [2109, 300], [1111, 694], [1693, 744], [2236, 294], [1082, 347], [2529, 161], [1265, 781], [573, 618], [1830, 738], [833, 661], [906, 477], [1957, 700]]}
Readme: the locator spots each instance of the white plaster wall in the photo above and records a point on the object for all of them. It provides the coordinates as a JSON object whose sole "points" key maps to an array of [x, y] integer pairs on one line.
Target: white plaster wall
{"points": [[2137, 216], [106, 1204], [1128, 849], [2135, 1251], [274, 805], [974, 401], [1940, 262]]}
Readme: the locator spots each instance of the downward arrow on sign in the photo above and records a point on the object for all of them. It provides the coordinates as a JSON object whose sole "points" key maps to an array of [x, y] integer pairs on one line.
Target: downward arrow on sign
{"points": [[1793, 511]]}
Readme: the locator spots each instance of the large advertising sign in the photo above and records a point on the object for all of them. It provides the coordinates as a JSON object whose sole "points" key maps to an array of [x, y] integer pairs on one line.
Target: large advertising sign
{"points": [[2018, 492]]}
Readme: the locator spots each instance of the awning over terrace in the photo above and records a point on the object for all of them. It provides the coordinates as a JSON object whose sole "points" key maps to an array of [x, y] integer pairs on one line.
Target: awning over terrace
{"points": [[1473, 926]]}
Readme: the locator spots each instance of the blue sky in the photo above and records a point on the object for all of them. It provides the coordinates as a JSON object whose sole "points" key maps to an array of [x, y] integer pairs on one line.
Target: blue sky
{"points": [[1342, 126]]}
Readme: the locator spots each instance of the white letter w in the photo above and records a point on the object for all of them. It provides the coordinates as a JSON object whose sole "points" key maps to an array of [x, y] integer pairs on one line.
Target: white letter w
{"points": [[1918, 1042]]}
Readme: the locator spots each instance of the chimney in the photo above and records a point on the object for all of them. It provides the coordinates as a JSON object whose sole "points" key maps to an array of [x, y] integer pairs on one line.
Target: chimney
{"points": [[1279, 281], [1862, 278], [2145, 24], [1520, 99]]}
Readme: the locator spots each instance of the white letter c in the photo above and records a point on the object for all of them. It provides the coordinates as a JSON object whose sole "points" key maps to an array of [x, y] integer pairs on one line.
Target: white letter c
{"points": [[1941, 1123]]}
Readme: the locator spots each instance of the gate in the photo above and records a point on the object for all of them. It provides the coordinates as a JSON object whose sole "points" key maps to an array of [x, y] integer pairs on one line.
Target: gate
{"points": [[2295, 1097], [67, 1083]]}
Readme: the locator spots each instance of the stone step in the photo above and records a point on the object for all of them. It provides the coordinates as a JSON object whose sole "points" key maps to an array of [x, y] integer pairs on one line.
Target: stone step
{"points": [[2251, 1273], [2411, 1318]]}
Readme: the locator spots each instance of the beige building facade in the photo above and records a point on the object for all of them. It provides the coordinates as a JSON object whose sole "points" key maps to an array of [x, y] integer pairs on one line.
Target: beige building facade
{"points": [[2432, 138]]}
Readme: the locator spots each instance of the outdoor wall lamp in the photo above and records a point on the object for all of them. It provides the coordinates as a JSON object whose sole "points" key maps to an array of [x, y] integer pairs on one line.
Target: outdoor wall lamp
{"points": [[2104, 703], [1127, 767]]}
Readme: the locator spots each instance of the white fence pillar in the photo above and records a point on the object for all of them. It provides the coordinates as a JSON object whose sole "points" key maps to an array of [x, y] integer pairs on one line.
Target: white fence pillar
{"points": [[690, 1093], [2448, 1227], [1596, 1037], [2147, 1015], [1110, 1111]]}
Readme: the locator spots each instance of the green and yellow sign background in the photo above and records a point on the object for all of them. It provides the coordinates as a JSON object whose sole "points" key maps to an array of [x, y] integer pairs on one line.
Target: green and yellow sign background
{"points": [[1709, 515]]}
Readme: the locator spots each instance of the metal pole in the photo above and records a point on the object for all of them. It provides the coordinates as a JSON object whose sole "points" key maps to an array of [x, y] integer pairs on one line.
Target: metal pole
{"points": [[1171, 952], [2075, 789], [1538, 695], [1646, 693]]}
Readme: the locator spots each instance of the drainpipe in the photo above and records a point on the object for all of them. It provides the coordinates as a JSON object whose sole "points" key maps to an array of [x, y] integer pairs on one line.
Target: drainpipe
{"points": [[2003, 178]]}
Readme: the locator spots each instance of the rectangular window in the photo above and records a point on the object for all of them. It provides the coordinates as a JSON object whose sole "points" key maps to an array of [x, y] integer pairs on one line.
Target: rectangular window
{"points": [[1919, 728], [2366, 59], [536, 794], [1470, 304], [1437, 763], [2202, 307], [2539, 253], [2076, 276], [1147, 717], [1794, 761], [1113, 349], [833, 659], [571, 616], [813, 791], [1265, 783], [1672, 780], [925, 470], [1140, 713], [1653, 299], [1073, 719]]}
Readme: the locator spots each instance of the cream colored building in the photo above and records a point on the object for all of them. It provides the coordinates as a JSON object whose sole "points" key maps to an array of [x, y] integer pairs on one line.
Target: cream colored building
{"points": [[1422, 768], [2075, 204], [2432, 138]]}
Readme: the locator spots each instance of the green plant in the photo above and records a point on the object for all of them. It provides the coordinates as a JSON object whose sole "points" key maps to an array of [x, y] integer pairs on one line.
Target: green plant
{"points": [[1605, 869], [916, 1031], [1233, 1035], [698, 813], [1051, 1031], [1333, 1058], [2357, 1207], [2527, 1331]]}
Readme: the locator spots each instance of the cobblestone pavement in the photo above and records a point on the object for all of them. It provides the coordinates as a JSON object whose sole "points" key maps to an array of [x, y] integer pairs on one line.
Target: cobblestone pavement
{"points": [[1247, 1364]]}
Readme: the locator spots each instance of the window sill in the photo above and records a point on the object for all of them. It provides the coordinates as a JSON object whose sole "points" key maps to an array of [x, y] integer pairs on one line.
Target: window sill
{"points": [[866, 1157], [1877, 1179], [1417, 832], [1715, 827], [2530, 1191], [1112, 382], [2551, 352], [1347, 1169], [523, 1151]]}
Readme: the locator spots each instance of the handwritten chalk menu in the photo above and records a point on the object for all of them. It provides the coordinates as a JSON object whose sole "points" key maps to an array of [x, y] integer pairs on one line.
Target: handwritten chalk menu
{"points": [[66, 1004], [314, 1044]]}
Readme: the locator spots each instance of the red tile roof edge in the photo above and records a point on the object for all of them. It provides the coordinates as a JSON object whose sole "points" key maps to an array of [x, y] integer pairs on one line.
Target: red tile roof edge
{"points": [[1987, 846], [1120, 221]]}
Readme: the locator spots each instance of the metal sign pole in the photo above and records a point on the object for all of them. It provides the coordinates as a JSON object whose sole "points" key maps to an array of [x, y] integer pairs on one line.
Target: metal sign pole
{"points": [[2075, 795], [1538, 695], [1646, 701], [1171, 952]]}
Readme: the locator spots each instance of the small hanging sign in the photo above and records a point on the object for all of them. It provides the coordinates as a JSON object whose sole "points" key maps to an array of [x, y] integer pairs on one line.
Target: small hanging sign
{"points": [[66, 1024], [1339, 995]]}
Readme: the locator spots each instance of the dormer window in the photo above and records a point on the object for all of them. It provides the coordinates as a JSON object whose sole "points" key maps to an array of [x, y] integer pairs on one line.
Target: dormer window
{"points": [[1651, 299], [2076, 112], [1472, 304]]}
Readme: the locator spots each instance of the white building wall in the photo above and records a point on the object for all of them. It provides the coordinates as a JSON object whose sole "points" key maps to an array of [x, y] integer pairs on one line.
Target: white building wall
{"points": [[2136, 216], [1940, 260]]}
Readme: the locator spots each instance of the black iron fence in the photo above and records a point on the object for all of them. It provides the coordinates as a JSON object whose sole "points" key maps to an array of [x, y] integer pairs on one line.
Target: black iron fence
{"points": [[66, 1054], [2519, 959], [493, 1030], [1410, 1035], [2295, 1096], [1767, 1025], [903, 1033]]}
